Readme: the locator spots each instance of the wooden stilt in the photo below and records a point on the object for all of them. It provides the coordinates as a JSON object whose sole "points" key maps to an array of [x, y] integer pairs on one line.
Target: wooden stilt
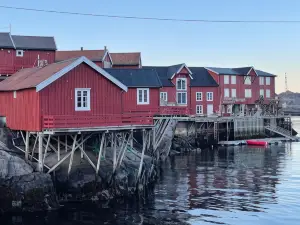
{"points": [[72, 155], [100, 152], [82, 146], [23, 137], [131, 141], [153, 139], [58, 148], [142, 157], [32, 151], [57, 164], [124, 151], [66, 142], [40, 161], [149, 139], [27, 145], [114, 145], [46, 149]]}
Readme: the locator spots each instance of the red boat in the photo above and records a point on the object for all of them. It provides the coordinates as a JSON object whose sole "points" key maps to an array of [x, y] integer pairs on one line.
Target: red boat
{"points": [[257, 143]]}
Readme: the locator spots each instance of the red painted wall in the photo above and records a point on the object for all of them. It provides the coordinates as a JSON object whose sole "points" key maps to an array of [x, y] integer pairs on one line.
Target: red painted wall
{"points": [[7, 61], [22, 113], [58, 97], [214, 75], [129, 101], [204, 102]]}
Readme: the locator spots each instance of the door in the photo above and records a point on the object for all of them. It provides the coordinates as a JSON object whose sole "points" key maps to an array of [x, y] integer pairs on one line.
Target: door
{"points": [[210, 109]]}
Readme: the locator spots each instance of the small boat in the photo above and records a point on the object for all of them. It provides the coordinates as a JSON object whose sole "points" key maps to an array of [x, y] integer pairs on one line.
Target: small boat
{"points": [[257, 143]]}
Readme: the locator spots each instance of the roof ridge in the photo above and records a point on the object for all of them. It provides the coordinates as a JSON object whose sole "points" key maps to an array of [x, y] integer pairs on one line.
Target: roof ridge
{"points": [[17, 35]]}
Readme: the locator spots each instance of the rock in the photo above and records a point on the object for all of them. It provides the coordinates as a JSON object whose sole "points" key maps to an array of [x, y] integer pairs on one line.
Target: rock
{"points": [[13, 166], [30, 192]]}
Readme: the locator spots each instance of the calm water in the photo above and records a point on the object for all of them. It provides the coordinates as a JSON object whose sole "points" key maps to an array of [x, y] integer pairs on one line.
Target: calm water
{"points": [[238, 185]]}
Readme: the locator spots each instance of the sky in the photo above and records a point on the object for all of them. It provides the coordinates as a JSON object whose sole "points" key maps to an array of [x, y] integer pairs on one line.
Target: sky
{"points": [[274, 48]]}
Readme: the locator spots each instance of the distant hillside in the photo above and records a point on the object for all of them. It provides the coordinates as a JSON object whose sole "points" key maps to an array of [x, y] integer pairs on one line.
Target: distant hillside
{"points": [[290, 100]]}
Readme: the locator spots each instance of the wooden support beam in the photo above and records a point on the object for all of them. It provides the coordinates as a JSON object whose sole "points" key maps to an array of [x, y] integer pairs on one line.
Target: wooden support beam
{"points": [[149, 139], [23, 137], [142, 157], [66, 142], [114, 145], [58, 148], [131, 141], [153, 139], [60, 162], [82, 146], [100, 152], [32, 151], [46, 149], [124, 150], [40, 161], [27, 145], [72, 155]]}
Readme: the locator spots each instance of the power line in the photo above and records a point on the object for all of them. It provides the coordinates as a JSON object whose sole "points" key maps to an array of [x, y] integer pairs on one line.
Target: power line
{"points": [[150, 18]]}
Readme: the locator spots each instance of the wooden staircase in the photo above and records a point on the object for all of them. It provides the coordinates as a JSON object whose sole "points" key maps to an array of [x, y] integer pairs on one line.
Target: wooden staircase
{"points": [[281, 131]]}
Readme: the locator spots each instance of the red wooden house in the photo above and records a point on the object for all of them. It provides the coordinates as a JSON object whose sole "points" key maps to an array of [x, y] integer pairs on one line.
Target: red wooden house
{"points": [[71, 94], [241, 87], [17, 52]]}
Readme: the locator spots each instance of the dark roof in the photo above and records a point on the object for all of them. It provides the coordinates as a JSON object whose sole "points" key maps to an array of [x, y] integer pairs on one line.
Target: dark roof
{"points": [[162, 72], [6, 41], [201, 78], [264, 74], [34, 42], [27, 42], [173, 69], [223, 71], [136, 77], [243, 70]]}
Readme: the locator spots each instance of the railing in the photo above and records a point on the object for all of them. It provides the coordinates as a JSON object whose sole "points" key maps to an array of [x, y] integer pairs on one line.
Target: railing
{"points": [[69, 121]]}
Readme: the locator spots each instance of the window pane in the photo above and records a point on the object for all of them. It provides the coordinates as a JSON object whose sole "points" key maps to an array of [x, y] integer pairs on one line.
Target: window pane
{"points": [[145, 96], [184, 98], [179, 98], [140, 96], [183, 85], [179, 84]]}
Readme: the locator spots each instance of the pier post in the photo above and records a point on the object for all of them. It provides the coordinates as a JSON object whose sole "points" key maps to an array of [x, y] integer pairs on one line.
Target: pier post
{"points": [[142, 157], [58, 148], [66, 142], [40, 162], [131, 140], [82, 147], [114, 146], [72, 155], [27, 145], [36, 139], [153, 138], [100, 152]]}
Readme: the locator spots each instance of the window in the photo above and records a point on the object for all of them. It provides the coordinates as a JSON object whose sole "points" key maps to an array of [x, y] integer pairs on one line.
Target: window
{"points": [[181, 84], [198, 96], [209, 96], [229, 108], [248, 80], [268, 93], [233, 93], [82, 99], [181, 98], [143, 96], [19, 53], [226, 79], [261, 81], [268, 81], [233, 79], [226, 92], [164, 96], [106, 64], [199, 109], [15, 94], [248, 93], [261, 92]]}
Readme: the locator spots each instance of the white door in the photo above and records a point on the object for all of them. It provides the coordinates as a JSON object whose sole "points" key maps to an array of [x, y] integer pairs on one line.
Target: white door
{"points": [[210, 109]]}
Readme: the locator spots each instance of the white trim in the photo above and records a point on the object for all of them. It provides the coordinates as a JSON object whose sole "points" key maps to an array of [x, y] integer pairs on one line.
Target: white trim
{"points": [[183, 65], [164, 93], [186, 97], [250, 71], [248, 93], [233, 93], [12, 40], [15, 94], [19, 51], [232, 76], [212, 96], [88, 101], [268, 93], [269, 79], [201, 93], [207, 68], [185, 81], [108, 56], [77, 62], [143, 102], [201, 107], [226, 90], [228, 79]]}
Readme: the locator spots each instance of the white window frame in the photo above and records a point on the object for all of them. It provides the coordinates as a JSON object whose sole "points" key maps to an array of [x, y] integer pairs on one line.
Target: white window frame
{"points": [[21, 53], [143, 102], [226, 79], [200, 95], [261, 80], [226, 90], [233, 79], [268, 93], [181, 88], [261, 92], [229, 109], [88, 101], [268, 81], [177, 94], [163, 96], [248, 93], [233, 93], [199, 109], [248, 80], [15, 94], [207, 96]]}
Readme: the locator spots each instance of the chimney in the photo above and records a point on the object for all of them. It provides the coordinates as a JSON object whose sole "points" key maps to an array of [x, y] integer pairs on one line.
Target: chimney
{"points": [[105, 48], [81, 48]]}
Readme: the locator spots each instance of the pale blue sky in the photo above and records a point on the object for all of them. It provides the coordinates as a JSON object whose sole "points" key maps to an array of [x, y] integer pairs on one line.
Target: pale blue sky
{"points": [[274, 48]]}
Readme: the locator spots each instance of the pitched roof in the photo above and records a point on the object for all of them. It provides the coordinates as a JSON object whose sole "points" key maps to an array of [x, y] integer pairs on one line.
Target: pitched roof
{"points": [[201, 78], [136, 77], [128, 58], [223, 71], [243, 70], [42, 77], [6, 41], [162, 72], [93, 55], [34, 42], [264, 74]]}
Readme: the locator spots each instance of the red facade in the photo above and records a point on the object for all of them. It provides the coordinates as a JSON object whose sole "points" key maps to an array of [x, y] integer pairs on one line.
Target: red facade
{"points": [[204, 102]]}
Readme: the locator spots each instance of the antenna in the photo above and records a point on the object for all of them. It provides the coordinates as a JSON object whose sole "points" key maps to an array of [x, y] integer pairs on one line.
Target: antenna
{"points": [[286, 83]]}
